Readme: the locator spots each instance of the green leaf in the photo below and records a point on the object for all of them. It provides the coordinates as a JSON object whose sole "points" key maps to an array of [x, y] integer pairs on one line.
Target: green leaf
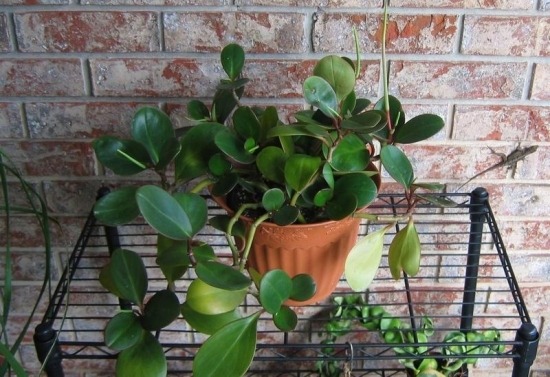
{"points": [[221, 222], [153, 129], [161, 310], [231, 349], [129, 275], [311, 130], [270, 162], [123, 331], [207, 324], [232, 59], [285, 319], [118, 207], [197, 147], [438, 200], [219, 165], [106, 280], [419, 128], [112, 153], [172, 257], [203, 252], [197, 110], [222, 276], [341, 206], [285, 215], [364, 259], [273, 199], [178, 217], [225, 184], [338, 73], [224, 102], [301, 170], [323, 196], [404, 252], [350, 154], [275, 289], [303, 287], [246, 124], [367, 122], [319, 93], [144, 359], [233, 146], [210, 300], [397, 165], [358, 184]]}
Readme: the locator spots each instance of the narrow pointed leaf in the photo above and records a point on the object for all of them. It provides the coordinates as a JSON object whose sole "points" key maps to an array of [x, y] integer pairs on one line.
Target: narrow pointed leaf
{"points": [[397, 165], [133, 159]]}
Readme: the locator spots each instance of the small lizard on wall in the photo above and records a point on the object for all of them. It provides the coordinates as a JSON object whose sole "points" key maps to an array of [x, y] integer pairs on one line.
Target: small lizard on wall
{"points": [[510, 160]]}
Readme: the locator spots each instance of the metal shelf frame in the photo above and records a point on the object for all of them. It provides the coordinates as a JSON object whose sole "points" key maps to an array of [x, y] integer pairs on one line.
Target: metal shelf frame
{"points": [[466, 282]]}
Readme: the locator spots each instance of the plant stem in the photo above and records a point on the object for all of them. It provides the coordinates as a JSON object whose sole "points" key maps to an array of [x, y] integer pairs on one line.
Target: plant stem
{"points": [[230, 226], [385, 77], [250, 238]]}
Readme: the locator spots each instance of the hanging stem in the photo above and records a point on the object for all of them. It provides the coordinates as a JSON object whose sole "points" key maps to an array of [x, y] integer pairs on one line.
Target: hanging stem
{"points": [[385, 77]]}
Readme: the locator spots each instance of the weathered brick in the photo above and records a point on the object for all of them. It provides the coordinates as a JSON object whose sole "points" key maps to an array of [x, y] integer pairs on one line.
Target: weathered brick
{"points": [[542, 43], [421, 79], [490, 122], [312, 3], [488, 35], [153, 2], [35, 2], [516, 199], [29, 266], [80, 120], [538, 129], [41, 77], [429, 34], [536, 166], [256, 32], [11, 125], [541, 78], [5, 43], [484, 4], [87, 31], [526, 234], [71, 197]]}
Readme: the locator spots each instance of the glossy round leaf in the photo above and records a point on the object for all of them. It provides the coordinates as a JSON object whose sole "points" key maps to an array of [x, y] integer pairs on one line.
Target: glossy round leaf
{"points": [[350, 154], [364, 259], [232, 59], [397, 165], [285, 215], [419, 128], [123, 157], [246, 123], [275, 289], [319, 93], [161, 310], [338, 73], [144, 359], [358, 184], [233, 146], [207, 324], [366, 122], [118, 207], [172, 257], [230, 349], [203, 252], [301, 170], [341, 206], [285, 319], [322, 197], [222, 276], [303, 287], [129, 275], [197, 110], [123, 331], [219, 165], [210, 300], [270, 162], [273, 199]]}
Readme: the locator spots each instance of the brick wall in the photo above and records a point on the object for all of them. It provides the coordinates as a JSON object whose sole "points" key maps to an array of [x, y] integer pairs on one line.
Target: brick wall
{"points": [[71, 70]]}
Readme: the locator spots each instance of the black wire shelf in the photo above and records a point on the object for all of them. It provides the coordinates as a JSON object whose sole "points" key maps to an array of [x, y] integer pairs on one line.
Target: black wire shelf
{"points": [[465, 283]]}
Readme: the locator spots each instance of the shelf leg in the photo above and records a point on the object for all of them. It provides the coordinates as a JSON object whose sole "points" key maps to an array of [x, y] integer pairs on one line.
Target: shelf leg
{"points": [[47, 349], [478, 212], [528, 335]]}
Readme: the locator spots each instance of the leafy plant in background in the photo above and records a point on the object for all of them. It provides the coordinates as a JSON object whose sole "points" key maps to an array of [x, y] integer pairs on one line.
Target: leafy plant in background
{"points": [[413, 347], [15, 186], [315, 169]]}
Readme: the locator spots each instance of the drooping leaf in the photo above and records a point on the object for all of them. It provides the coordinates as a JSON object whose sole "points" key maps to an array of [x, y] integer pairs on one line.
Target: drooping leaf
{"points": [[161, 310], [404, 252], [144, 359], [285, 319], [303, 287], [364, 259], [350, 154], [338, 73], [129, 275], [172, 257], [123, 331], [123, 157], [419, 128], [117, 207], [210, 300], [397, 165], [318, 92], [231, 348], [222, 276], [301, 170], [207, 324], [275, 289], [232, 59], [197, 147], [270, 162]]}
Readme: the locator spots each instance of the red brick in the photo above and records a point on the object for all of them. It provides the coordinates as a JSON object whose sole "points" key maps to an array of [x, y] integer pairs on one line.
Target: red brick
{"points": [[538, 129], [312, 3], [87, 31], [11, 125], [485, 35], [517, 199], [542, 43], [526, 234], [536, 167], [541, 78], [48, 120], [256, 32], [484, 4], [154, 2], [430, 34], [41, 77], [28, 266], [5, 43], [71, 197], [35, 2], [490, 122], [464, 80]]}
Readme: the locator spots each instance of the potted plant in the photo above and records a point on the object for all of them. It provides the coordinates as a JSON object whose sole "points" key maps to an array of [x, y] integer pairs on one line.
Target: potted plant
{"points": [[270, 177], [458, 349]]}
